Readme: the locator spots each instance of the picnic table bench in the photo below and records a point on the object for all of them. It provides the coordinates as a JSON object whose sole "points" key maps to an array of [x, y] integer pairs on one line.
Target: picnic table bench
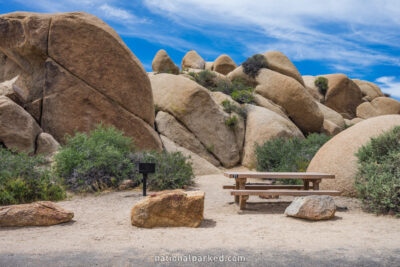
{"points": [[241, 190]]}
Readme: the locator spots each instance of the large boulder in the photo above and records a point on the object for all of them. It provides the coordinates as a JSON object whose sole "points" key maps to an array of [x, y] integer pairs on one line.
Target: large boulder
{"points": [[18, 130], [337, 156], [330, 128], [192, 105], [343, 95], [293, 97], [331, 115], [238, 74], [168, 126], [278, 62], [175, 208], [41, 213], [46, 144], [224, 64], [84, 72], [240, 128], [263, 125], [163, 63], [192, 60], [313, 208], [369, 90], [377, 107], [268, 104], [200, 165], [70, 104], [312, 89]]}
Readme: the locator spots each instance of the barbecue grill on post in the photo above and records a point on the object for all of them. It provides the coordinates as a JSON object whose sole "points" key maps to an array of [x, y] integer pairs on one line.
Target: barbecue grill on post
{"points": [[146, 168]]}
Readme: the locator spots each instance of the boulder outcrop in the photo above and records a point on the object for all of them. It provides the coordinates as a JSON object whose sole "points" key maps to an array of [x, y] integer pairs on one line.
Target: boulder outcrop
{"points": [[377, 107], [337, 156], [278, 62], [224, 64], [192, 60], [163, 63]]}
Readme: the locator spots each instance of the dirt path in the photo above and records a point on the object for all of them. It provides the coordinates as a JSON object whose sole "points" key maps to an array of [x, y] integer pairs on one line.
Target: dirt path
{"points": [[102, 227]]}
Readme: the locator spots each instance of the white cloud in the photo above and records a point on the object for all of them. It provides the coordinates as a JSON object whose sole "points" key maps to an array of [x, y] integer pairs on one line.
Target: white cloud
{"points": [[389, 85], [114, 12], [340, 31]]}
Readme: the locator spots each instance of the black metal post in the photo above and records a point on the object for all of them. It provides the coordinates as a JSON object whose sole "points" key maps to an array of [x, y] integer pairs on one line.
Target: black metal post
{"points": [[144, 183]]}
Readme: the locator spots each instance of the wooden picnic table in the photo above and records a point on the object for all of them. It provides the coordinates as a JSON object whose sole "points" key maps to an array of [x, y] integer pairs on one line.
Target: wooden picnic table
{"points": [[242, 190]]}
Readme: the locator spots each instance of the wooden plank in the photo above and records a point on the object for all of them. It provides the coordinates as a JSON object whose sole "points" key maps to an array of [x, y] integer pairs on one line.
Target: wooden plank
{"points": [[280, 175], [261, 187], [283, 192]]}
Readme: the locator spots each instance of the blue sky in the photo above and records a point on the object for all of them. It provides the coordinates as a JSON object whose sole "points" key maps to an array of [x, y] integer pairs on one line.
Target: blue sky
{"points": [[360, 38]]}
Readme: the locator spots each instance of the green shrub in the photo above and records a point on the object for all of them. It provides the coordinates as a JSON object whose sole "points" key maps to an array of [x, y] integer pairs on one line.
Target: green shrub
{"points": [[205, 78], [243, 96], [23, 179], [231, 122], [288, 155], [322, 84], [173, 171], [378, 177], [95, 161], [253, 65], [230, 107]]}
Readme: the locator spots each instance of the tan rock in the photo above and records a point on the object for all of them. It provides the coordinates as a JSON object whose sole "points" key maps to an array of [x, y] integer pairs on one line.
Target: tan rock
{"points": [[312, 89], [240, 126], [343, 95], [238, 73], [200, 165], [46, 144], [91, 55], [312, 208], [263, 125], [292, 96], [71, 105], [377, 107], [278, 62], [192, 105], [127, 184], [209, 65], [353, 121], [331, 115], [337, 156], [368, 89], [43, 213], [168, 126], [18, 130], [92, 51], [268, 104], [193, 60], [330, 128], [8, 68], [224, 64], [6, 87], [175, 208], [163, 63], [25, 44]]}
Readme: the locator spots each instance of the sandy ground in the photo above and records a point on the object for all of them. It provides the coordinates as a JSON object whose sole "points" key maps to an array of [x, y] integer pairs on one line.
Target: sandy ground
{"points": [[101, 234]]}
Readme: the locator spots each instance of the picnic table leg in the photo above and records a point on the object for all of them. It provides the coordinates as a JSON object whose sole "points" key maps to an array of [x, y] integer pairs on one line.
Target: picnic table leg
{"points": [[237, 187], [306, 184], [316, 184], [242, 199]]}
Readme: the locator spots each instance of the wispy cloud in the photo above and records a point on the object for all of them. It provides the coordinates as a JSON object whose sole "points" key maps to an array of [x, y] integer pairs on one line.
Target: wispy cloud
{"points": [[389, 85], [116, 13], [337, 31]]}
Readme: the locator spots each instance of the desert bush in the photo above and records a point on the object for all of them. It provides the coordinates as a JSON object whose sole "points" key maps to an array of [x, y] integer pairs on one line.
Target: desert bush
{"points": [[95, 161], [173, 170], [243, 96], [253, 65], [231, 122], [230, 107], [24, 179], [288, 155], [205, 78], [378, 178], [322, 84]]}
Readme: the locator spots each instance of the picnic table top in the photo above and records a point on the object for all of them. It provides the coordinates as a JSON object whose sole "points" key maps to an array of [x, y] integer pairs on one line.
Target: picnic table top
{"points": [[280, 175]]}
